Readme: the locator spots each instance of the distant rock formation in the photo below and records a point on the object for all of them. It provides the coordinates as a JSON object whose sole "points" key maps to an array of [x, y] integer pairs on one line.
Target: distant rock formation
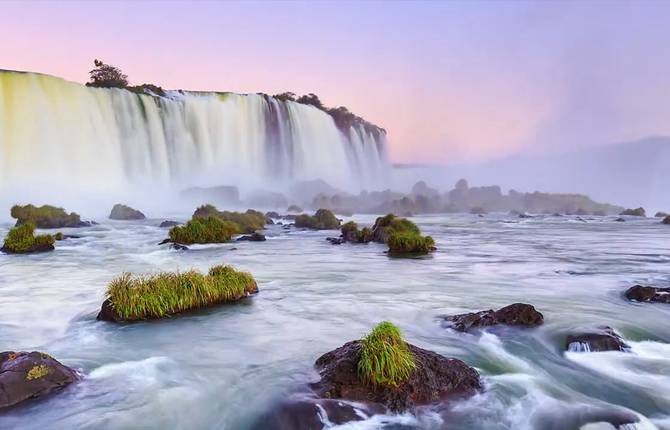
{"points": [[634, 212], [125, 213]]}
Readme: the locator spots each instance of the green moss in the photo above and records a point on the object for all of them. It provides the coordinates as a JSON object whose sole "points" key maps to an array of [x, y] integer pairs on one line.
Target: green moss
{"points": [[349, 227], [385, 357], [22, 240], [59, 236], [164, 294], [45, 216], [394, 223], [410, 243], [323, 219], [37, 372], [351, 233], [248, 222], [204, 230]]}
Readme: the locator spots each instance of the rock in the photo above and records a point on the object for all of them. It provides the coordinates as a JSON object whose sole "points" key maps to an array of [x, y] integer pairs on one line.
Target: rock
{"points": [[641, 293], [661, 214], [309, 413], [169, 224], [46, 216], [165, 241], [666, 220], [272, 214], [294, 208], [125, 213], [435, 378], [179, 247], [620, 220], [604, 339], [634, 212], [254, 237], [335, 240], [26, 375], [517, 314], [524, 215]]}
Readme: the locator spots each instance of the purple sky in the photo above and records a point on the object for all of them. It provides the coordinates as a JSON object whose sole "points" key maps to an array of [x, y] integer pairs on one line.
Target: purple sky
{"points": [[450, 81]]}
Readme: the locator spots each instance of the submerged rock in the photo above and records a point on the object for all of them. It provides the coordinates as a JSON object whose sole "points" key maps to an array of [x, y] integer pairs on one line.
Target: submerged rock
{"points": [[517, 314], [254, 237], [602, 339], [26, 375], [335, 240], [169, 224], [125, 213], [641, 293], [620, 220], [435, 378]]}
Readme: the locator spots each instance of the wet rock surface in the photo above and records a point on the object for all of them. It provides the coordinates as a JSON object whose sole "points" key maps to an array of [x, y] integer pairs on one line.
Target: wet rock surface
{"points": [[169, 224], [640, 293], [125, 213], [517, 314], [435, 378], [602, 339], [254, 237], [27, 375]]}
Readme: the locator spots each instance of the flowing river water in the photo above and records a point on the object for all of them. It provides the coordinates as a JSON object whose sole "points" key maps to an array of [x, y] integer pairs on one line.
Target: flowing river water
{"points": [[221, 368]]}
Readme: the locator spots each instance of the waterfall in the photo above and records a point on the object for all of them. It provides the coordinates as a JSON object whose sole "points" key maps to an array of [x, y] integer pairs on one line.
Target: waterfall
{"points": [[56, 134]]}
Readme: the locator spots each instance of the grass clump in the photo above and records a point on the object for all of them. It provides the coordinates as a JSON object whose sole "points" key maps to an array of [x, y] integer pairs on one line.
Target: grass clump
{"points": [[351, 233], [248, 221], [204, 230], [22, 240], [165, 294], [45, 216], [385, 357], [406, 242], [323, 219]]}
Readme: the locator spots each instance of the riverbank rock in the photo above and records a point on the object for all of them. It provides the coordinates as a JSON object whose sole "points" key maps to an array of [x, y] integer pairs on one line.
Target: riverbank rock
{"points": [[125, 213], [602, 339], [254, 237], [517, 314], [641, 293], [27, 375], [435, 378], [169, 224]]}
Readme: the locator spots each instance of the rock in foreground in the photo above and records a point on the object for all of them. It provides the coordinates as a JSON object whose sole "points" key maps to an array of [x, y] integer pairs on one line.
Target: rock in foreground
{"points": [[641, 293], [26, 375], [517, 314], [125, 213], [603, 339], [162, 295]]}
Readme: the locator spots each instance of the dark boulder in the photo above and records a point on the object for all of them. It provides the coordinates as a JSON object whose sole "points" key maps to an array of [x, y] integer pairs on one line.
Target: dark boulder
{"points": [[641, 293], [169, 224], [272, 214], [26, 375], [435, 378], [125, 213], [620, 220], [179, 246], [254, 237], [666, 220], [602, 339], [661, 215], [517, 314], [634, 212], [335, 240]]}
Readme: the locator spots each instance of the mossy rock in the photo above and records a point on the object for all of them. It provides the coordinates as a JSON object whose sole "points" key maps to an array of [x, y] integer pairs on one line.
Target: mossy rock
{"points": [[22, 240], [46, 216], [323, 219], [352, 234], [248, 222], [634, 212], [125, 213], [204, 230], [27, 375], [384, 226], [406, 243], [134, 298]]}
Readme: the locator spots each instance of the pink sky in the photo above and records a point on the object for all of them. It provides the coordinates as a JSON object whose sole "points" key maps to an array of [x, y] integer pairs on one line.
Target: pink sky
{"points": [[450, 82]]}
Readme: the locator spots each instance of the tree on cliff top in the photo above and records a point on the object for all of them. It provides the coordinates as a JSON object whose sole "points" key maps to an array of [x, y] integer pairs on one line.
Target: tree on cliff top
{"points": [[107, 76]]}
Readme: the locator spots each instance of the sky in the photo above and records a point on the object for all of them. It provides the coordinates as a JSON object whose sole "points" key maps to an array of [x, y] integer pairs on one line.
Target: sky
{"points": [[451, 82]]}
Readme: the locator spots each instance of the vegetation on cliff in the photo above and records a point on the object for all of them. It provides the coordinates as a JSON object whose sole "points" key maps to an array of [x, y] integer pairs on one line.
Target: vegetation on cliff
{"points": [[46, 216], [160, 295], [22, 240], [385, 358]]}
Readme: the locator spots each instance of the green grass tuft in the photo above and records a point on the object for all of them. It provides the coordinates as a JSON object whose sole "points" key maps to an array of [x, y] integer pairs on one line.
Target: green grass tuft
{"points": [[165, 294], [385, 357], [410, 243], [323, 219], [22, 240], [204, 230]]}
